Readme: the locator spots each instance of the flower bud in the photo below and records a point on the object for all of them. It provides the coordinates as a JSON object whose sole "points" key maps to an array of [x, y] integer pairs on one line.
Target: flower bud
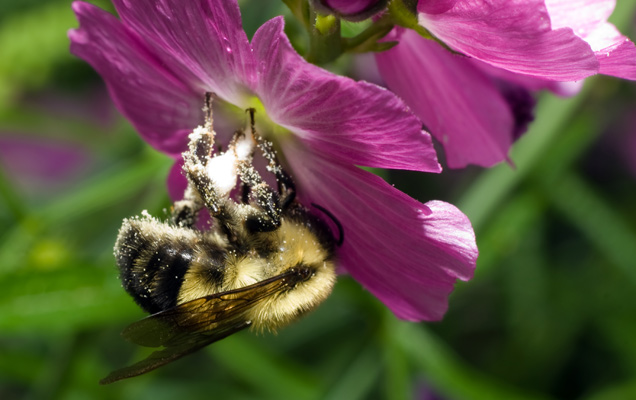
{"points": [[350, 10]]}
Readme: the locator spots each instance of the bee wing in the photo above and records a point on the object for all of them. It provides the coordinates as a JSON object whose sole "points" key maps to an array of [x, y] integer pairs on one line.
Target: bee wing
{"points": [[193, 325], [159, 358]]}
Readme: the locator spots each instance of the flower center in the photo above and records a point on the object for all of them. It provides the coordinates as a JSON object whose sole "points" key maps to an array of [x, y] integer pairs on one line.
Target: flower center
{"points": [[226, 115], [265, 126]]}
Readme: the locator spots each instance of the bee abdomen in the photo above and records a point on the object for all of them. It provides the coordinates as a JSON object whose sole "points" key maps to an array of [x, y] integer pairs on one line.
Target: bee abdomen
{"points": [[153, 260]]}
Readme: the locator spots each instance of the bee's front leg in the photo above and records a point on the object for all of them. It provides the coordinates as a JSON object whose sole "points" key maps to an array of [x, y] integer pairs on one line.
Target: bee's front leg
{"points": [[200, 191], [286, 186]]}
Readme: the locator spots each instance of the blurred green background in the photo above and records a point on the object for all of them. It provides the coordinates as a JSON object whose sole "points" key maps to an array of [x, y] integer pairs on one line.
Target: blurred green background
{"points": [[551, 312]]}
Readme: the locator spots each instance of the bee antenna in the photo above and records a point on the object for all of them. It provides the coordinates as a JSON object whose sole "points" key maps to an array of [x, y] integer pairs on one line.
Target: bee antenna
{"points": [[335, 221], [207, 107], [251, 111]]}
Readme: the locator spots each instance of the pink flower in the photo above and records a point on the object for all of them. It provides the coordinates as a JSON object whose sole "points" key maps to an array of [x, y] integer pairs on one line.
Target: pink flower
{"points": [[161, 58], [512, 45]]}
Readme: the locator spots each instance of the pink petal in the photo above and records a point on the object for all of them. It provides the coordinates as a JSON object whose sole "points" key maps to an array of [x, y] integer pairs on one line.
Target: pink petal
{"points": [[585, 17], [176, 181], [619, 60], [201, 40], [354, 122], [615, 52], [454, 99], [406, 253], [511, 34], [161, 106], [435, 7]]}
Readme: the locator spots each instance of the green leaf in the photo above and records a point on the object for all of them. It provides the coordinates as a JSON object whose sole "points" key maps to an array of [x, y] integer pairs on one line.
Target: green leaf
{"points": [[357, 381], [493, 186], [621, 391], [266, 372], [448, 374], [590, 213]]}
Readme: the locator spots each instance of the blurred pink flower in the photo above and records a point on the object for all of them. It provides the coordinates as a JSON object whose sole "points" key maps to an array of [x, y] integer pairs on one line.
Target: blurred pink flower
{"points": [[39, 165], [477, 105], [161, 58]]}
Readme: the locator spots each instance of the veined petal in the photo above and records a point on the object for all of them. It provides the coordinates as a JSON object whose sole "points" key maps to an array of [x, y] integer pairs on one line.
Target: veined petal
{"points": [[202, 40], [615, 52], [406, 253], [353, 122], [512, 34], [619, 60], [455, 100], [583, 16], [435, 7], [159, 104]]}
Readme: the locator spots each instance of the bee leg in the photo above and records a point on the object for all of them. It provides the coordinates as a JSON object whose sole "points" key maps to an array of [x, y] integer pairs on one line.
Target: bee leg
{"points": [[245, 193], [201, 191], [266, 200], [286, 186], [184, 212]]}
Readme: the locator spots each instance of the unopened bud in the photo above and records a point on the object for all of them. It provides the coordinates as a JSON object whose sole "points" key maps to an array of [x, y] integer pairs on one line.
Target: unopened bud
{"points": [[350, 10]]}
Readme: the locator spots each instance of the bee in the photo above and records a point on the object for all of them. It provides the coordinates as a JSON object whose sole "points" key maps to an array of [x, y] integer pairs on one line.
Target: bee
{"points": [[265, 261]]}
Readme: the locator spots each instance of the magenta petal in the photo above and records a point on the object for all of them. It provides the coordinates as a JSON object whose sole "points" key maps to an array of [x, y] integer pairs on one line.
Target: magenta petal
{"points": [[619, 60], [354, 122], [176, 181], [406, 253], [435, 7], [585, 17], [455, 100], [615, 52], [202, 40], [161, 106], [512, 34]]}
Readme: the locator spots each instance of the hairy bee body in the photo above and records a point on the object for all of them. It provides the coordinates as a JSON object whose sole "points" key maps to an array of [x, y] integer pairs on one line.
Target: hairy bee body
{"points": [[265, 260], [163, 265]]}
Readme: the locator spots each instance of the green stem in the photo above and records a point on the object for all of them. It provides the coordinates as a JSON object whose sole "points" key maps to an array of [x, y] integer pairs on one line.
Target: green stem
{"points": [[325, 44], [447, 372], [373, 33]]}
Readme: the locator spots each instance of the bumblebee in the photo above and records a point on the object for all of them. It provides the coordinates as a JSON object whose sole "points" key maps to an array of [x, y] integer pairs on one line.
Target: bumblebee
{"points": [[265, 261]]}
